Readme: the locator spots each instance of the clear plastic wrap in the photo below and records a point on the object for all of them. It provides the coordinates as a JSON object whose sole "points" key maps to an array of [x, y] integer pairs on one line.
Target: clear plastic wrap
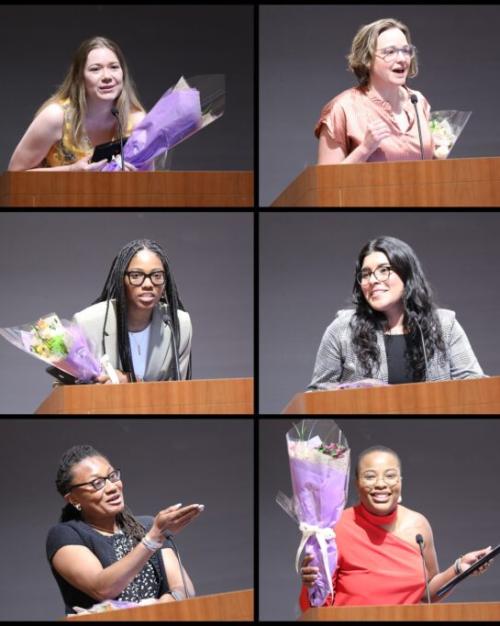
{"points": [[319, 458]]}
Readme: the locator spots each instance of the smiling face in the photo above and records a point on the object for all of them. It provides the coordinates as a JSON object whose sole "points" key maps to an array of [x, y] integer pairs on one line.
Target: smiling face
{"points": [[103, 75], [146, 296], [385, 296], [379, 482], [395, 71], [103, 504]]}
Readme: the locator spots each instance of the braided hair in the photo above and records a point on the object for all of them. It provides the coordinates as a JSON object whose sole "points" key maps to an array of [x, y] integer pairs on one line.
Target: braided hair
{"points": [[419, 310], [114, 288], [125, 519]]}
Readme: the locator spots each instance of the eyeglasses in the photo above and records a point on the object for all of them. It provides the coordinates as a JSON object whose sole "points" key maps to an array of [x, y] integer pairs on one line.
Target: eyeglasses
{"points": [[100, 482], [390, 478], [136, 278], [381, 274], [390, 54]]}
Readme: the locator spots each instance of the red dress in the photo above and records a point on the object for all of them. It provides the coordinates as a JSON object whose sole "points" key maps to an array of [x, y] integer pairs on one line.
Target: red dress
{"points": [[374, 566]]}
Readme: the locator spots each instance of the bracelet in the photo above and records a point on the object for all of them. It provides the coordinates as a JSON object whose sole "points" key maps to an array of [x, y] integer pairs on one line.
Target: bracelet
{"points": [[458, 567], [151, 544]]}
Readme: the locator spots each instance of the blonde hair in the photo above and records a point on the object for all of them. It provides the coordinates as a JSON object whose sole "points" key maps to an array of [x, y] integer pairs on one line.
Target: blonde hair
{"points": [[364, 45], [73, 88]]}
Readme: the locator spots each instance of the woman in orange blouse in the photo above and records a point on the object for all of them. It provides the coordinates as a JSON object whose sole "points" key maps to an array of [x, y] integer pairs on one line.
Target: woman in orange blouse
{"points": [[375, 121], [379, 560], [78, 116]]}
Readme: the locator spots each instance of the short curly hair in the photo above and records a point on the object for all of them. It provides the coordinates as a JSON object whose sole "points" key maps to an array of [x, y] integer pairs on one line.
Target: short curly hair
{"points": [[364, 44]]}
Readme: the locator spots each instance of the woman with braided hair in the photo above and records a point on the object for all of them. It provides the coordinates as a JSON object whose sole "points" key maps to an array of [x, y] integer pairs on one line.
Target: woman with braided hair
{"points": [[100, 551], [395, 333], [139, 321]]}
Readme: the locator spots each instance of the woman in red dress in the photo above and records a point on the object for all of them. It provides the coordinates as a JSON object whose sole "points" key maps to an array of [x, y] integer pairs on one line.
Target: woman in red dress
{"points": [[379, 559]]}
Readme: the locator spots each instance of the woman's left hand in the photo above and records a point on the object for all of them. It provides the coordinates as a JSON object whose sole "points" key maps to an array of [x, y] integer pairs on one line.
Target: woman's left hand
{"points": [[471, 557]]}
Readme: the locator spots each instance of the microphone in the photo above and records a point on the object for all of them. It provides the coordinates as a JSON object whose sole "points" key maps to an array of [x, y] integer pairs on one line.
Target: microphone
{"points": [[114, 112], [171, 539], [167, 320], [413, 316], [420, 540], [414, 100]]}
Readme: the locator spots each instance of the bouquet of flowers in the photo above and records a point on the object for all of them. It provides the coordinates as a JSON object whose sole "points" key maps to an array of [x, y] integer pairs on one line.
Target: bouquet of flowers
{"points": [[445, 127], [182, 111], [62, 344], [319, 466]]}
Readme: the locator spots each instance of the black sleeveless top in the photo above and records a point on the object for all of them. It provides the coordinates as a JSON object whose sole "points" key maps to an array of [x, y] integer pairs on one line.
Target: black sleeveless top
{"points": [[396, 347]]}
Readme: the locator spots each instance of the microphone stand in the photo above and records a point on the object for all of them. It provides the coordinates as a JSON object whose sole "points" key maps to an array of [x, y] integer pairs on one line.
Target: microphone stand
{"points": [[420, 540], [414, 100], [115, 113]]}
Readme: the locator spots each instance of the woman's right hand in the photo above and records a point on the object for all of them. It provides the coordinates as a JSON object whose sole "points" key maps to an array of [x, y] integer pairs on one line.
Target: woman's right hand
{"points": [[173, 519], [308, 574], [376, 132], [83, 165]]}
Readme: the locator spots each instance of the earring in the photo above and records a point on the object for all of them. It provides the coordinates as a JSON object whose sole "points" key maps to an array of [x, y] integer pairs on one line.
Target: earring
{"points": [[400, 499], [78, 507]]}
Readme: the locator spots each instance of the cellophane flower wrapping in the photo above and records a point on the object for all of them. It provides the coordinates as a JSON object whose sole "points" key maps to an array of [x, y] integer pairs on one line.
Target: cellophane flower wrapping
{"points": [[446, 127], [319, 458], [182, 111], [60, 343]]}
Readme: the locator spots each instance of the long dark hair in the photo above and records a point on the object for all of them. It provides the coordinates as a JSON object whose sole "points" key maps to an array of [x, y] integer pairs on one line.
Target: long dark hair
{"points": [[125, 519], [419, 310], [114, 288]]}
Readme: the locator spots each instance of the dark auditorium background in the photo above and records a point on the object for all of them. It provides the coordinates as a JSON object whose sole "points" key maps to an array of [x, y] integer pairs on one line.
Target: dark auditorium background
{"points": [[306, 274], [450, 471], [58, 262], [163, 462], [302, 65], [160, 42]]}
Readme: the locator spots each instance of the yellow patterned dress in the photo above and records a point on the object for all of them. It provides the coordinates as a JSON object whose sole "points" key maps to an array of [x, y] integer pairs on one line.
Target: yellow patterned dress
{"points": [[64, 151]]}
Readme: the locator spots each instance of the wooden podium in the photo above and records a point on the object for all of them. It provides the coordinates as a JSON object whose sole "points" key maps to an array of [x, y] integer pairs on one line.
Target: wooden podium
{"points": [[475, 395], [127, 189], [231, 395], [451, 182], [235, 606], [461, 611]]}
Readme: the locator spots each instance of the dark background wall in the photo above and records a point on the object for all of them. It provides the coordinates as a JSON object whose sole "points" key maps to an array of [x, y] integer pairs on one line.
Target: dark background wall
{"points": [[58, 262], [450, 475], [307, 265], [164, 461], [302, 66], [160, 43]]}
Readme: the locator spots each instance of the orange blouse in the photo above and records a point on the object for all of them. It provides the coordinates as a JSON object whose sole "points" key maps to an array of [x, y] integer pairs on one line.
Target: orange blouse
{"points": [[346, 118], [374, 566]]}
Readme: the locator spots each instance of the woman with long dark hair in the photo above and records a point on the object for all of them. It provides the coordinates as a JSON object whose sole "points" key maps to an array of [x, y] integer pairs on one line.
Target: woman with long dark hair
{"points": [[100, 551], [395, 333], [139, 321]]}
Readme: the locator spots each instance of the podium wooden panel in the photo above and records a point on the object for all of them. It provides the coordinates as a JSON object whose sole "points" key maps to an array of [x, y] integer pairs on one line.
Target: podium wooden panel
{"points": [[231, 395], [127, 189], [478, 395], [234, 606], [451, 182], [460, 611]]}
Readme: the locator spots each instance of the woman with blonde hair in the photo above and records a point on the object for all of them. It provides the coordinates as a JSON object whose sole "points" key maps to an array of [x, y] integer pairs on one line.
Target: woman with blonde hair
{"points": [[96, 98], [377, 120]]}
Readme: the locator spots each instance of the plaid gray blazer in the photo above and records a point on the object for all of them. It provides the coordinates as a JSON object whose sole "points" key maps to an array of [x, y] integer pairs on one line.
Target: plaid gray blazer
{"points": [[337, 362]]}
